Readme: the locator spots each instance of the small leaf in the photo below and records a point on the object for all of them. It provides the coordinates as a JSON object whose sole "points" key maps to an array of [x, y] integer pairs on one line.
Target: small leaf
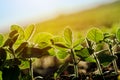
{"points": [[118, 34], [29, 31], [20, 32], [42, 37], [105, 59], [24, 64], [61, 54], [83, 53], [95, 35], [52, 51], [58, 39], [21, 47], [17, 28], [78, 47], [13, 40], [12, 34], [1, 39], [43, 45], [10, 41], [7, 42], [90, 59], [77, 42], [68, 36]]}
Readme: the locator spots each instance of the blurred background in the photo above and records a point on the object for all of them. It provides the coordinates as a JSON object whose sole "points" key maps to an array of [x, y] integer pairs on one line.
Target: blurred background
{"points": [[54, 15]]}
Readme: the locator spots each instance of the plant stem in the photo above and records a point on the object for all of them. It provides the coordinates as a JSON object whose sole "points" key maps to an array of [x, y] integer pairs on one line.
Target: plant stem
{"points": [[114, 61], [31, 69], [75, 63], [98, 64], [97, 61]]}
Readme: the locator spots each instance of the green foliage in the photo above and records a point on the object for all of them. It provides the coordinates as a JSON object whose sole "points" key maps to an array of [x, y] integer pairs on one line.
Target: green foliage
{"points": [[21, 47], [24, 64], [28, 32], [95, 35], [20, 31], [21, 51], [85, 55], [61, 54], [68, 36], [105, 59], [42, 39]]}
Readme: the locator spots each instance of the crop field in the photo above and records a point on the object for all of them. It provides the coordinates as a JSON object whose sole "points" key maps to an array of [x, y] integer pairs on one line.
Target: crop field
{"points": [[79, 46], [102, 16]]}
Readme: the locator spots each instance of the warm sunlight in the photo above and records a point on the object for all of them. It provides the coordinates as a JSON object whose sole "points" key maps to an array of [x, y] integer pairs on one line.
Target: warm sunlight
{"points": [[59, 39]]}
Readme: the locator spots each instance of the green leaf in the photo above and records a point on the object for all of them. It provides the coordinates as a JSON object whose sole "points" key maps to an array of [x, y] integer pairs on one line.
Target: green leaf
{"points": [[105, 59], [58, 39], [77, 42], [90, 59], [78, 47], [43, 45], [1, 39], [20, 32], [95, 35], [118, 34], [17, 28], [61, 54], [7, 42], [13, 33], [42, 37], [29, 31], [83, 53], [13, 40], [68, 36], [52, 51], [24, 64], [21, 47]]}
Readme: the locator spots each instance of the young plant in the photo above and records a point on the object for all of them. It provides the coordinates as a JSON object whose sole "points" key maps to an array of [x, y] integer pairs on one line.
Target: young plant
{"points": [[110, 40], [68, 46], [95, 37], [16, 49]]}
